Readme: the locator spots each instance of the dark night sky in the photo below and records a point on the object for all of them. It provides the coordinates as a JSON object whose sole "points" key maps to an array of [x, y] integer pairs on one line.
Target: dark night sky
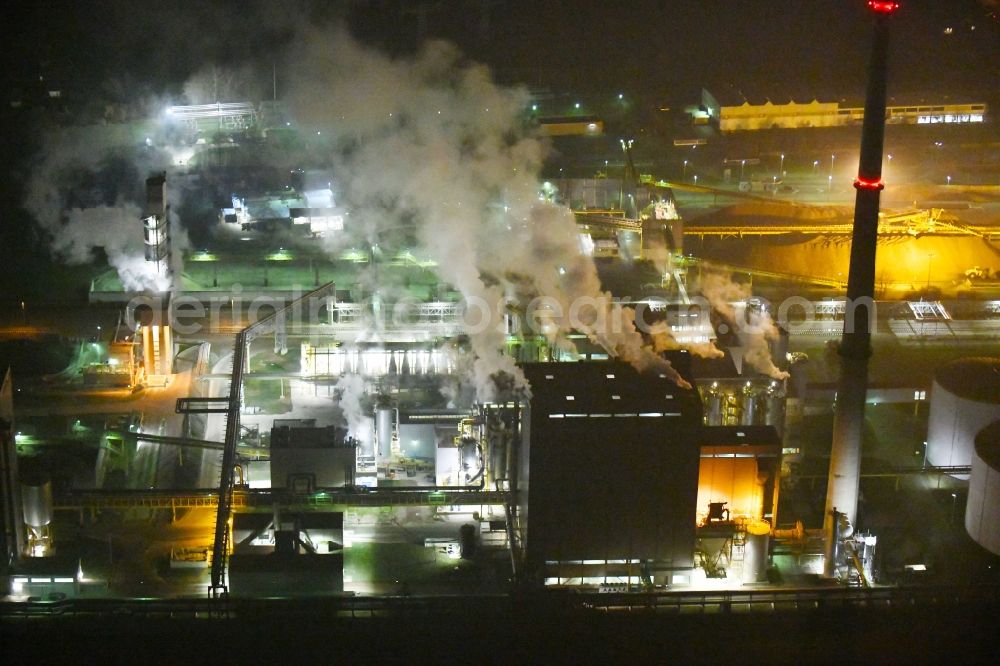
{"points": [[776, 48]]}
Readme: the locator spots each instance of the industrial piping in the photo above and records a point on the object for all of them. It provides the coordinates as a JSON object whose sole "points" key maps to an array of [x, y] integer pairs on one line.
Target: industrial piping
{"points": [[855, 347]]}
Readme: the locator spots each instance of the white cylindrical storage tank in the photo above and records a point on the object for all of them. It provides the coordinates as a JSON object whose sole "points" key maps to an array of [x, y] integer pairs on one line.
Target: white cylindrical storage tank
{"points": [[36, 498], [383, 430], [982, 512], [965, 397], [755, 552]]}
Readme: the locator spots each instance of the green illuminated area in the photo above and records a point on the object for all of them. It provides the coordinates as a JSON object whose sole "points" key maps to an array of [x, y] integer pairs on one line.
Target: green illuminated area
{"points": [[269, 397], [203, 255], [286, 269], [265, 360], [354, 255]]}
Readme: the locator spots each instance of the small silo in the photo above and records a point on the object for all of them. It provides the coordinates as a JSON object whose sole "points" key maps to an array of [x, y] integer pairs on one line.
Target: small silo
{"points": [[36, 501], [982, 512], [965, 397], [385, 417], [758, 537], [36, 498]]}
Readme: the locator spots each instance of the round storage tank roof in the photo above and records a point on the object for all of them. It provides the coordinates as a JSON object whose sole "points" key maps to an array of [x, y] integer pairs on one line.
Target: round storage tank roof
{"points": [[972, 378]]}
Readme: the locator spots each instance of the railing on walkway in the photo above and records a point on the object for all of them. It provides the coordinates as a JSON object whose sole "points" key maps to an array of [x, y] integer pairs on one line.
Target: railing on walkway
{"points": [[354, 607]]}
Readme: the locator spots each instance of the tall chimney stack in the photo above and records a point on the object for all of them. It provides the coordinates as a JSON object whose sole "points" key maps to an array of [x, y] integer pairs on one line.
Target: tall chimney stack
{"points": [[855, 347]]}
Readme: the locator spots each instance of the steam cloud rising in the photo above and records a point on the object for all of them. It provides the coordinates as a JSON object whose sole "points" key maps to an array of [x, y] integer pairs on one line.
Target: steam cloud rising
{"points": [[754, 328], [431, 144], [105, 215]]}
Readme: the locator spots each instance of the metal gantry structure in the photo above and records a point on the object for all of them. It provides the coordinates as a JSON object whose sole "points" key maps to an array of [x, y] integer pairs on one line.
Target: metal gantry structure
{"points": [[929, 222], [263, 500], [231, 407], [231, 116]]}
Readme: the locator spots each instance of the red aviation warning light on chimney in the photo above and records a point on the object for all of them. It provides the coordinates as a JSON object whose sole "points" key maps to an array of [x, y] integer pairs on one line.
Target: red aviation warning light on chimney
{"points": [[863, 183], [883, 6]]}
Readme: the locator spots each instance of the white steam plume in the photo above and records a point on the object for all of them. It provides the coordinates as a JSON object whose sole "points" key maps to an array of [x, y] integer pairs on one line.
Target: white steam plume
{"points": [[664, 340], [114, 226], [352, 393], [753, 328], [118, 231], [433, 144]]}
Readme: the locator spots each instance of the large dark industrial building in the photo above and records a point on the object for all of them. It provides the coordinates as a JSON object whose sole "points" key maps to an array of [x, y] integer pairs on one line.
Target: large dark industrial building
{"points": [[611, 459]]}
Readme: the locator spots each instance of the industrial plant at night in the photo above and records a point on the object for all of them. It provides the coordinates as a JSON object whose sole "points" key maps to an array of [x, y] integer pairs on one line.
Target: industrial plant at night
{"points": [[337, 326]]}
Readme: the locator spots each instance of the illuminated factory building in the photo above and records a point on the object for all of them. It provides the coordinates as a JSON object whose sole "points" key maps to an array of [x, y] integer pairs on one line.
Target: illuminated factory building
{"points": [[293, 400], [792, 115], [352, 428]]}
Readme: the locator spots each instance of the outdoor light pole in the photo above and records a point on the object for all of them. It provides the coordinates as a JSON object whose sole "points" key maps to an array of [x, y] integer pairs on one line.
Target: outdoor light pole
{"points": [[781, 167], [855, 346]]}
